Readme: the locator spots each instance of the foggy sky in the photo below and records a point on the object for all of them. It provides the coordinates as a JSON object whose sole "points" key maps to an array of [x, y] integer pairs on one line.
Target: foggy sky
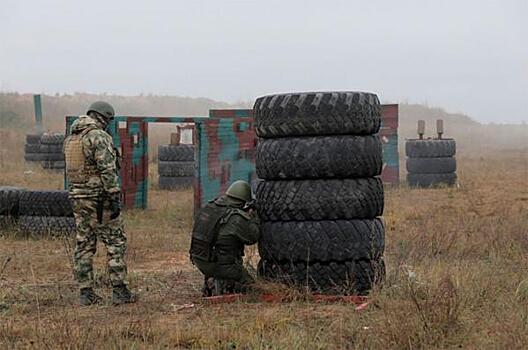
{"points": [[466, 56]]}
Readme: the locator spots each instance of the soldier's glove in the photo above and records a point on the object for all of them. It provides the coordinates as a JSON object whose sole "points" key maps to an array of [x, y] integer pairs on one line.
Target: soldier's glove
{"points": [[114, 205]]}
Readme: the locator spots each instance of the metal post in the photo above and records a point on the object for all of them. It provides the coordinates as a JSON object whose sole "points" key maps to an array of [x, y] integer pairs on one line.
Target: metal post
{"points": [[439, 128], [421, 129], [38, 113]]}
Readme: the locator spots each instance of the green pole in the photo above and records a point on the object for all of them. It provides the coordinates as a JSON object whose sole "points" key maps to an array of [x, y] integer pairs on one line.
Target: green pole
{"points": [[38, 113]]}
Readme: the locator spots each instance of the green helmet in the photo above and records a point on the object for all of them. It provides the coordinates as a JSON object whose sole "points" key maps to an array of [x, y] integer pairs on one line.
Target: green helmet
{"points": [[103, 108], [239, 190]]}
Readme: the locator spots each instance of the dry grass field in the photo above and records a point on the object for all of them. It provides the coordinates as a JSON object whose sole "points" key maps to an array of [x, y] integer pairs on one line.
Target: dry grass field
{"points": [[455, 258]]}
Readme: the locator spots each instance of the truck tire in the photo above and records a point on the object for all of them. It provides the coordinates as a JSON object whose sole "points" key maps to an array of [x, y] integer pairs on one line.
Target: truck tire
{"points": [[54, 164], [431, 165], [175, 183], [47, 225], [340, 156], [317, 113], [176, 169], [349, 277], [180, 153], [308, 200], [10, 200], [31, 148], [430, 148], [337, 240], [52, 139], [33, 139], [34, 157], [431, 180], [45, 203], [54, 148], [53, 157]]}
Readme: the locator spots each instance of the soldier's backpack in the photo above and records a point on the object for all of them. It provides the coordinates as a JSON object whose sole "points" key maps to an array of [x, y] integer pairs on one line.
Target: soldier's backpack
{"points": [[205, 231]]}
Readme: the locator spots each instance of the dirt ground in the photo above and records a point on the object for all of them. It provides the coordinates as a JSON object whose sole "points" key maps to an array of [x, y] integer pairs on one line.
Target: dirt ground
{"points": [[455, 258]]}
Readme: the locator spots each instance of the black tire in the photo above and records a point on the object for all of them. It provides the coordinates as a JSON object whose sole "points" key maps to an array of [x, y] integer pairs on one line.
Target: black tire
{"points": [[430, 148], [56, 148], [317, 113], [54, 164], [45, 203], [52, 139], [176, 169], [338, 240], [349, 277], [308, 200], [47, 225], [180, 153], [34, 157], [431, 165], [53, 157], [431, 180], [33, 139], [10, 200], [175, 183], [319, 157], [31, 148]]}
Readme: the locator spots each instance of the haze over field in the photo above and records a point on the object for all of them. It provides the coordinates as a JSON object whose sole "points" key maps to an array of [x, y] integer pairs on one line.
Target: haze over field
{"points": [[465, 56]]}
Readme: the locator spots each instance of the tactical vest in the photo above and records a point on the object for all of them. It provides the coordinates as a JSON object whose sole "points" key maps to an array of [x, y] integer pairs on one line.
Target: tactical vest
{"points": [[205, 230], [78, 171]]}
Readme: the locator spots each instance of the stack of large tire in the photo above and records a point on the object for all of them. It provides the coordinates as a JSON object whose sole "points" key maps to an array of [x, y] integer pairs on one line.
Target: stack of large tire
{"points": [[51, 151], [32, 148], [46, 213], [176, 166], [320, 202], [9, 205], [431, 162]]}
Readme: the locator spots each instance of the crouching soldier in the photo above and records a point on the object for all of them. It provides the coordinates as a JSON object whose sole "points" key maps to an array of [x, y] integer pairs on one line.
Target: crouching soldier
{"points": [[221, 230], [92, 173]]}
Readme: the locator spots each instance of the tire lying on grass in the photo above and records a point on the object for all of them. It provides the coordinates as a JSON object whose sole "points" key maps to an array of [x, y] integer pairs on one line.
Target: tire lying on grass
{"points": [[32, 148], [430, 148], [33, 139], [431, 180], [339, 156], [10, 200], [52, 139], [53, 148], [34, 157], [53, 164], [440, 165], [317, 113], [180, 153], [47, 225], [176, 169], [337, 240], [53, 157], [344, 277], [174, 183], [45, 203], [303, 200]]}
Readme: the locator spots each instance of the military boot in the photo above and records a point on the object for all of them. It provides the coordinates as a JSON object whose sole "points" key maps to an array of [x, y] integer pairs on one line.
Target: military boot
{"points": [[122, 295], [88, 297]]}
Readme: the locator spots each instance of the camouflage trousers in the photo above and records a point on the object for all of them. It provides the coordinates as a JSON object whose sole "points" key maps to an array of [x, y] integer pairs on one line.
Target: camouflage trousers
{"points": [[89, 230]]}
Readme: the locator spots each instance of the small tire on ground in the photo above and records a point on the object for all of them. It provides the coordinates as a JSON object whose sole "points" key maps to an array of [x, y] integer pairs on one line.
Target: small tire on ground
{"points": [[176, 169], [317, 113], [349, 277], [175, 183], [308, 200], [431, 165], [430, 148], [45, 203], [10, 200], [340, 156], [431, 180], [33, 139], [336, 240], [178, 153], [47, 225], [52, 139], [34, 157]]}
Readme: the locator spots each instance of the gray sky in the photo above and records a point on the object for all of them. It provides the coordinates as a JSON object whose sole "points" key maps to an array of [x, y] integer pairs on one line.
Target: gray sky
{"points": [[467, 56]]}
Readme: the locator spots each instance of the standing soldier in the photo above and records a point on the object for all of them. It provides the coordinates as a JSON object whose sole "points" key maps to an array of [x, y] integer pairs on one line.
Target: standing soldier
{"points": [[221, 229], [92, 174]]}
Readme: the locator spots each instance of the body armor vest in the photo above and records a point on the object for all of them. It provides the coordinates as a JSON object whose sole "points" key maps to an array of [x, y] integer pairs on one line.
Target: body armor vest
{"points": [[77, 169]]}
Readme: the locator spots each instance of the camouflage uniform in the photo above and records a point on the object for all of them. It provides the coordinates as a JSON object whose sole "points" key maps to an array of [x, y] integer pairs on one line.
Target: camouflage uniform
{"points": [[92, 173], [233, 229]]}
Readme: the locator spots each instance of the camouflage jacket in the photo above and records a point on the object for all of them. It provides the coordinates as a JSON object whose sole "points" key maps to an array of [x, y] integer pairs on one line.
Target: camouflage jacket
{"points": [[100, 155], [238, 229]]}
